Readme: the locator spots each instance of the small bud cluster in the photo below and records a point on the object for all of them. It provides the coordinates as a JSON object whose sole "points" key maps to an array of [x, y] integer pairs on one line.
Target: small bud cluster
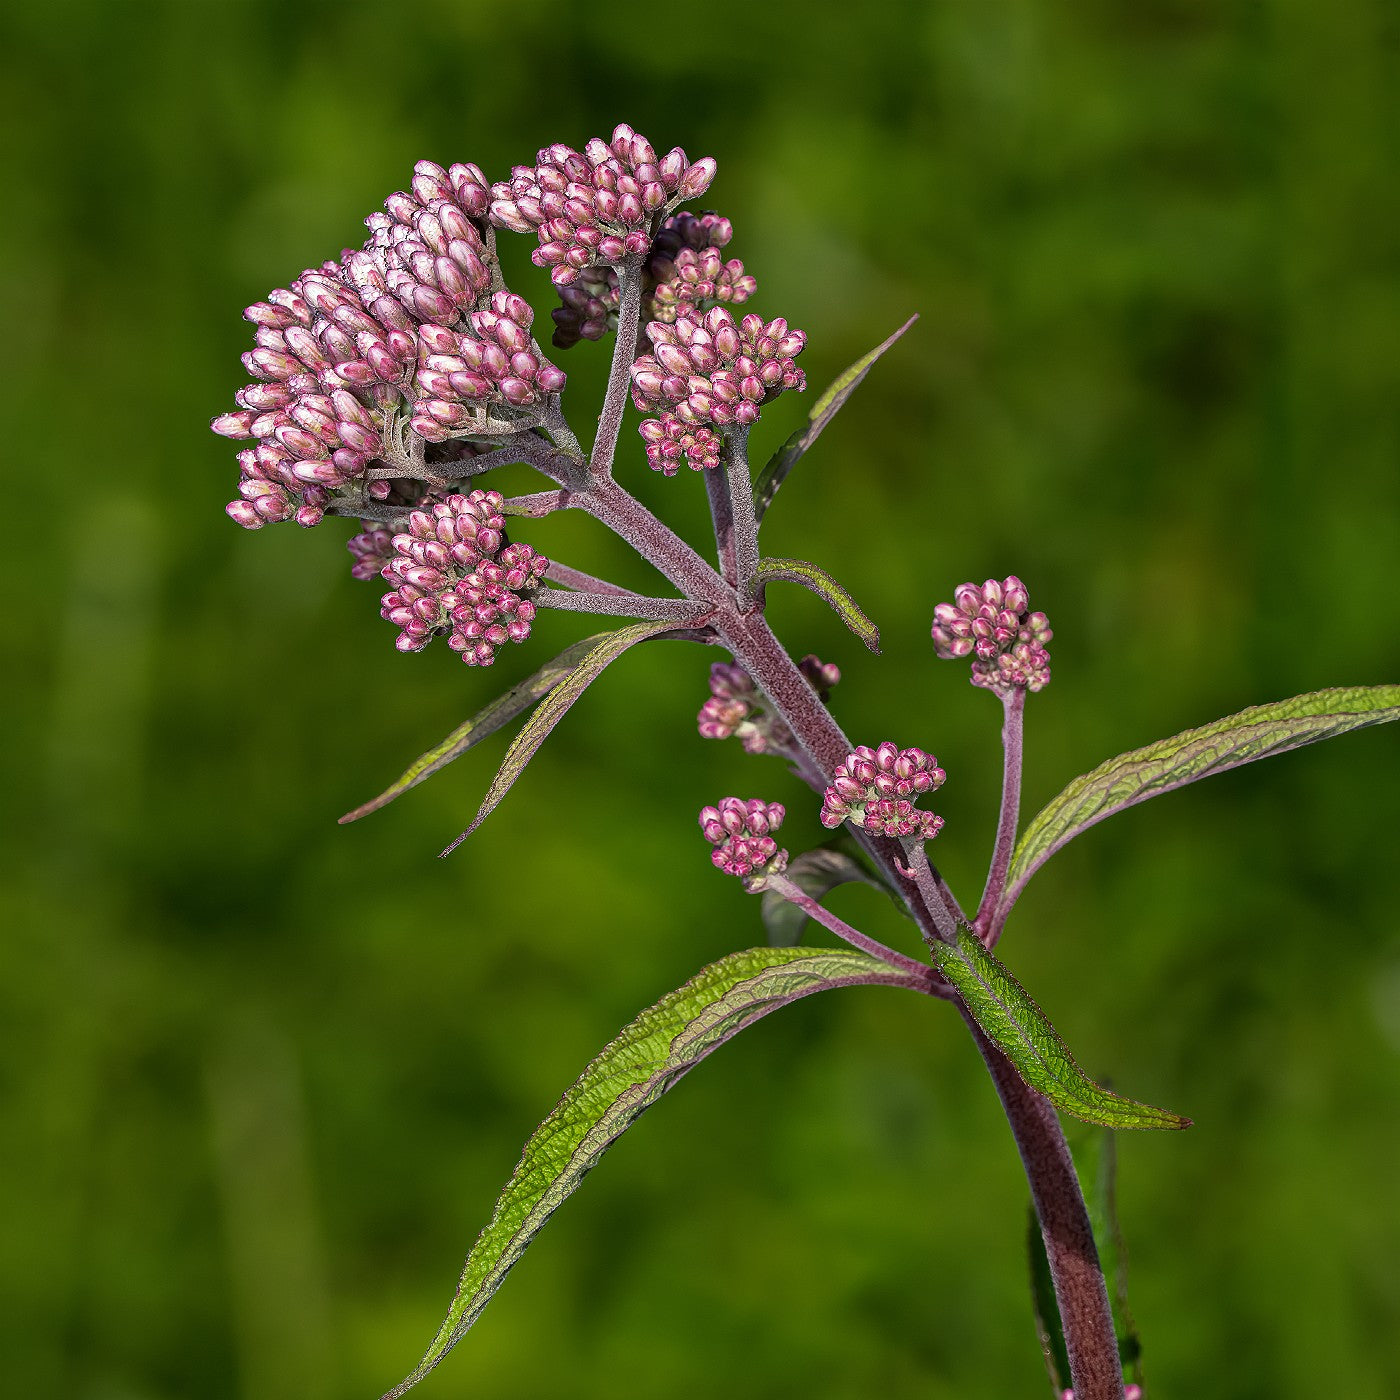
{"points": [[736, 707], [496, 360], [704, 369], [337, 354], [684, 267], [741, 834], [994, 625], [453, 572], [875, 788], [598, 206]]}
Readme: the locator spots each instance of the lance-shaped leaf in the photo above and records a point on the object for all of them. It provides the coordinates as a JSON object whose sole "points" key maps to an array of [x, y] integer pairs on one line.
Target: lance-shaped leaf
{"points": [[555, 705], [1048, 1325], [1020, 1030], [1258, 732], [499, 712], [826, 588], [822, 412], [630, 1075], [815, 873]]}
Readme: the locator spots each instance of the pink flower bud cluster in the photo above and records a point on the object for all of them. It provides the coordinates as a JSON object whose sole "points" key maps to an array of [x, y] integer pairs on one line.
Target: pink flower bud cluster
{"points": [[741, 834], [370, 550], [875, 788], [994, 625], [337, 353], [453, 572], [684, 266], [496, 360], [736, 706], [703, 370], [600, 205]]}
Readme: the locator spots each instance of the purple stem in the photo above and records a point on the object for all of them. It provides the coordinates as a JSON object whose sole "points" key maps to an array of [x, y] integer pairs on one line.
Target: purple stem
{"points": [[681, 611], [717, 489], [537, 503], [1014, 709], [576, 578], [794, 894], [620, 375], [1095, 1370], [743, 521]]}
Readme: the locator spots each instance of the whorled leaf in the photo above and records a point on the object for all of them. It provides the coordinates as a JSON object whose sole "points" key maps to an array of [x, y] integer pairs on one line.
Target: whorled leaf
{"points": [[630, 1075], [822, 412], [826, 588], [1019, 1028], [815, 873], [1130, 778], [555, 705], [499, 712]]}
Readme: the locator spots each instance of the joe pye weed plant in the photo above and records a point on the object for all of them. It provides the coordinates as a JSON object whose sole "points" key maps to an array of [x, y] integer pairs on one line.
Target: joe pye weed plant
{"points": [[387, 381]]}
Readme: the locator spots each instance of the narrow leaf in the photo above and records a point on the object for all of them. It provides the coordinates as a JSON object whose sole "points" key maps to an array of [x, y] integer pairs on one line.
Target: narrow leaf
{"points": [[822, 412], [499, 712], [630, 1075], [1258, 732], [1096, 1160], [556, 704], [1048, 1324], [825, 587], [1019, 1028], [815, 873]]}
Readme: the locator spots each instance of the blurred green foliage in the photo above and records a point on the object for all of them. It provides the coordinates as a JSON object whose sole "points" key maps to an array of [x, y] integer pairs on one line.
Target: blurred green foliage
{"points": [[263, 1075]]}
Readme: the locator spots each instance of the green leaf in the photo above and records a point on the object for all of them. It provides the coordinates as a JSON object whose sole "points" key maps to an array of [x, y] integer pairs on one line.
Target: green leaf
{"points": [[1048, 1324], [499, 712], [1019, 1028], [1096, 1160], [815, 873], [630, 1075], [1259, 732], [822, 412], [825, 587], [556, 704]]}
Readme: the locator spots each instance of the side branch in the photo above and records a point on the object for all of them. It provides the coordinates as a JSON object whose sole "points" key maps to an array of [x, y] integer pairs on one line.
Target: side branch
{"points": [[678, 610], [620, 374], [1012, 731]]}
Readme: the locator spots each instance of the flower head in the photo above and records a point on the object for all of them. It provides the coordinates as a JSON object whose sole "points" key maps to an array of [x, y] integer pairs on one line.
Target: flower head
{"points": [[737, 707], [705, 369], [599, 205], [875, 788], [741, 834], [994, 625], [454, 572]]}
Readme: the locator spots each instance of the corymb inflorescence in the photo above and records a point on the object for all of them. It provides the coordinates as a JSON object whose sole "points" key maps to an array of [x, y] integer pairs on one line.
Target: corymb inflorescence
{"points": [[876, 788], [994, 625]]}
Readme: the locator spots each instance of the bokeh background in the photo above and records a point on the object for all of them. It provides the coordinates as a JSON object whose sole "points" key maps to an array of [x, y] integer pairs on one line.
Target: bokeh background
{"points": [[263, 1074]]}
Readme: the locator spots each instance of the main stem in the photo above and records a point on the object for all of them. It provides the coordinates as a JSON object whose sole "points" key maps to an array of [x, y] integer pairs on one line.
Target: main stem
{"points": [[1095, 1369], [1064, 1221]]}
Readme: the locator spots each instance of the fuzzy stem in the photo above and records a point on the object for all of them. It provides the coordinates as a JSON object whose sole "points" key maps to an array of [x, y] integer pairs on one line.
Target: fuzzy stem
{"points": [[586, 583], [743, 521], [794, 894], [620, 373], [1095, 1370], [1012, 729], [681, 611], [717, 489]]}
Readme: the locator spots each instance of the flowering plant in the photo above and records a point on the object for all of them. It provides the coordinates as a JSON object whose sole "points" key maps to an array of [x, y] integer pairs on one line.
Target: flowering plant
{"points": [[387, 381]]}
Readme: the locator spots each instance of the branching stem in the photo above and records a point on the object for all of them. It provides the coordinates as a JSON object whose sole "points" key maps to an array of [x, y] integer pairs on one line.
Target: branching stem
{"points": [[620, 375], [1014, 710]]}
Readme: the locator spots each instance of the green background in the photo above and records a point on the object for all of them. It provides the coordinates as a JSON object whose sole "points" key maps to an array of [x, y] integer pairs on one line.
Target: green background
{"points": [[263, 1075]]}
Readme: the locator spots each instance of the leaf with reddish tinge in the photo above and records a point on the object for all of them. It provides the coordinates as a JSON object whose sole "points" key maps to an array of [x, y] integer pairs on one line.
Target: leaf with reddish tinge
{"points": [[642, 1063]]}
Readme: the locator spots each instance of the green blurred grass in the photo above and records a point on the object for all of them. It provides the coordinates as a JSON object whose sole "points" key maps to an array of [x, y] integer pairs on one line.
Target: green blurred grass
{"points": [[263, 1075]]}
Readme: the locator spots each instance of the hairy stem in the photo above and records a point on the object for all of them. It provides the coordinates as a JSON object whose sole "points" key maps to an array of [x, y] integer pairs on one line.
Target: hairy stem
{"points": [[717, 489], [744, 522], [1014, 709], [620, 373], [1095, 1369], [794, 894], [681, 611], [586, 583]]}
